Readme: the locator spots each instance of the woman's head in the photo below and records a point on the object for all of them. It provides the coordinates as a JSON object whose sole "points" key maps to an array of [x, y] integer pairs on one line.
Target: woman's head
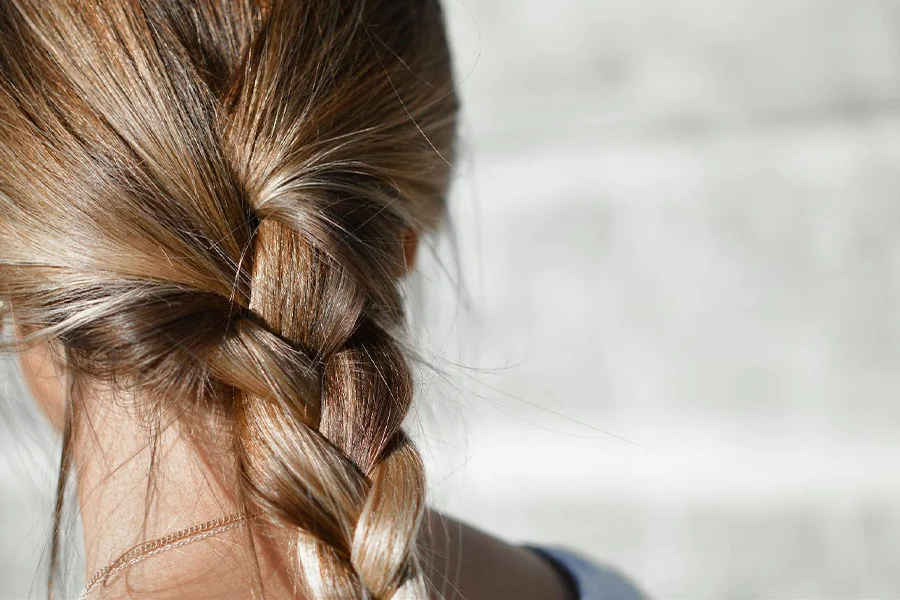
{"points": [[207, 205]]}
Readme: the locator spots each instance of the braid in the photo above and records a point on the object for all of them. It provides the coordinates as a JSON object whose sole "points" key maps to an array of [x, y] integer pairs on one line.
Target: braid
{"points": [[332, 459], [205, 202], [334, 463]]}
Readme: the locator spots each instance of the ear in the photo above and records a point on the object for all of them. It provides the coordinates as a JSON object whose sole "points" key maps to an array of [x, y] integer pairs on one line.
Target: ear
{"points": [[410, 242], [45, 381]]}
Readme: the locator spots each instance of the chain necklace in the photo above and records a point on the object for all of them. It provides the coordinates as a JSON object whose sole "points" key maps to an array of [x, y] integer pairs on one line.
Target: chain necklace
{"points": [[169, 542]]}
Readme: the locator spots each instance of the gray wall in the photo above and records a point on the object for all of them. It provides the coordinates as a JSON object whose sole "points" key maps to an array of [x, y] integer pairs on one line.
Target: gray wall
{"points": [[679, 234], [683, 228]]}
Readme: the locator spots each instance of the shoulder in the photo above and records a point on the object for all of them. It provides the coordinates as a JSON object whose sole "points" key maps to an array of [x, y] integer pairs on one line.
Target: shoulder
{"points": [[462, 562], [590, 580]]}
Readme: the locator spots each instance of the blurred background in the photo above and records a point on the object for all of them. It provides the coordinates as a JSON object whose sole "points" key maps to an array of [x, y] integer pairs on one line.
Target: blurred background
{"points": [[673, 338]]}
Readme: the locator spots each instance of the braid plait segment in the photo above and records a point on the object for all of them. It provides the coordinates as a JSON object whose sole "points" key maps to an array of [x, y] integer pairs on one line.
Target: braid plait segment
{"points": [[337, 124], [322, 396]]}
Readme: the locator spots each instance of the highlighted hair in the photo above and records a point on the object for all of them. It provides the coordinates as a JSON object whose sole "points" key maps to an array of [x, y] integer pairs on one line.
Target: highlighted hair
{"points": [[204, 202]]}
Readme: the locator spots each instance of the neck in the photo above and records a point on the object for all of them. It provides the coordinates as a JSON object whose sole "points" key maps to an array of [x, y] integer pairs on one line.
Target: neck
{"points": [[132, 490], [135, 486]]}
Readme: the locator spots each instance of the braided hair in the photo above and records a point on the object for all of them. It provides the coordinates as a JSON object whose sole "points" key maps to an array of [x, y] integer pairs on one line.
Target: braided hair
{"points": [[205, 202]]}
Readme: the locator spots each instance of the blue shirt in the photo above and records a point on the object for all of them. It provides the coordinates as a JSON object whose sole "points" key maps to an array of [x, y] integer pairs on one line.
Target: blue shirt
{"points": [[589, 580]]}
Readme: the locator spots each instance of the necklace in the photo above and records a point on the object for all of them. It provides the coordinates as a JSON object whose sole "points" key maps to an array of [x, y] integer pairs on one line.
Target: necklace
{"points": [[174, 540]]}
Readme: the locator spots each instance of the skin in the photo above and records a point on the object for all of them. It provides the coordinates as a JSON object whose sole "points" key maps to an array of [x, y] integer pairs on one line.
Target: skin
{"points": [[112, 461]]}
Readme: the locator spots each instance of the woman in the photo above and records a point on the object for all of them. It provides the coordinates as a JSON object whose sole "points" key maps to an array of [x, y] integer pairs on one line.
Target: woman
{"points": [[206, 209]]}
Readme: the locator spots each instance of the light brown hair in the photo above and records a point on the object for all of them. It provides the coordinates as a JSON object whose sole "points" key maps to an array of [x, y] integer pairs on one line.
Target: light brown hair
{"points": [[204, 202]]}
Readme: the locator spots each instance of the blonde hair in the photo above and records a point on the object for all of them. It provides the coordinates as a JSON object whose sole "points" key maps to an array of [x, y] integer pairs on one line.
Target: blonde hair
{"points": [[204, 202]]}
